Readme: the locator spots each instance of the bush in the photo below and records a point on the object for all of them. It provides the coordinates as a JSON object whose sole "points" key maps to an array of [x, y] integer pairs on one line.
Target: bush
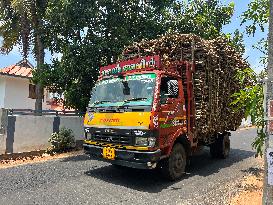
{"points": [[61, 141]]}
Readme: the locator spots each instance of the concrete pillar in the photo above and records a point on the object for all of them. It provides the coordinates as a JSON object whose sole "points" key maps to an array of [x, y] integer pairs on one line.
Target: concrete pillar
{"points": [[3, 129]]}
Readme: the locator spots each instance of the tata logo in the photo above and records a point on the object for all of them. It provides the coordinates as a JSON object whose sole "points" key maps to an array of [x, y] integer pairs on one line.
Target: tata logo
{"points": [[139, 133], [109, 131]]}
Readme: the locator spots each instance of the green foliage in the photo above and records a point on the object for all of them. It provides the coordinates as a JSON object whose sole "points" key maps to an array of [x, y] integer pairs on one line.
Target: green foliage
{"points": [[90, 34], [256, 18], [204, 18], [236, 40], [250, 99], [61, 141], [20, 24], [262, 46]]}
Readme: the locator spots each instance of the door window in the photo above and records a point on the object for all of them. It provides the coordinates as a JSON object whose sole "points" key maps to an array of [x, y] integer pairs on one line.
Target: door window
{"points": [[169, 88]]}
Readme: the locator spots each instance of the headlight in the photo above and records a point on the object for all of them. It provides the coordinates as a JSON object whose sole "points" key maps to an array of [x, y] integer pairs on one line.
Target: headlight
{"points": [[145, 141], [141, 141]]}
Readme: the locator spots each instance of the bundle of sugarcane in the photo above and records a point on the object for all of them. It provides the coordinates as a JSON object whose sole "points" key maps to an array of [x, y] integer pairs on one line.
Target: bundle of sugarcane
{"points": [[214, 79]]}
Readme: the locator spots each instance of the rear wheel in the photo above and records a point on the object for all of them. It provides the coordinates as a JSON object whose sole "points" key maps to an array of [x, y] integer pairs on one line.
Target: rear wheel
{"points": [[174, 167], [221, 147]]}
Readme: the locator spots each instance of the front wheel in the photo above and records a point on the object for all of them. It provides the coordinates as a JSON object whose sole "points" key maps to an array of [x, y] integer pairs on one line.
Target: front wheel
{"points": [[173, 168]]}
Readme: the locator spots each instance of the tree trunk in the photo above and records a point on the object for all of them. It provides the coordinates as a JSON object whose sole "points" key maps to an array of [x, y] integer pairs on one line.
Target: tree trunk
{"points": [[268, 190], [39, 54], [40, 62]]}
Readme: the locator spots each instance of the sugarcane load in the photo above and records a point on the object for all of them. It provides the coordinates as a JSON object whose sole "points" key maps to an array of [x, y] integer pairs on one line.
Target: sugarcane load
{"points": [[162, 100]]}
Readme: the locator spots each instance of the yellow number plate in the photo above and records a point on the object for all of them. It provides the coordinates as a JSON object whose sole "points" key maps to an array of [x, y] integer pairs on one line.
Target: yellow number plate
{"points": [[108, 153]]}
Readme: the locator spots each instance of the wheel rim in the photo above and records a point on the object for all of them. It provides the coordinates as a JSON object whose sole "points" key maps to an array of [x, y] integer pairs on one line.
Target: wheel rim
{"points": [[178, 163]]}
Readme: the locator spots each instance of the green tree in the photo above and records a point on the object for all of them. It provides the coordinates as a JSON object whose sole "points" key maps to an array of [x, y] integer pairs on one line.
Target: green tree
{"points": [[22, 24], [255, 18], [97, 38], [90, 34], [203, 18], [250, 99]]}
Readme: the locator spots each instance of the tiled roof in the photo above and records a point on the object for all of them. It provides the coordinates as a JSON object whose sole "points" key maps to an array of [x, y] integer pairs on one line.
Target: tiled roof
{"points": [[21, 69]]}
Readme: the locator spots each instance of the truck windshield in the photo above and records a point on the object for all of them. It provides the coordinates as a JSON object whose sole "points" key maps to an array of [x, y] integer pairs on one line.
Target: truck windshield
{"points": [[132, 90]]}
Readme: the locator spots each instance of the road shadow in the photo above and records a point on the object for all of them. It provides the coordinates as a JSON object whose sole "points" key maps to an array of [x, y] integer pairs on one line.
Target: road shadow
{"points": [[80, 157], [142, 180], [152, 181], [203, 165]]}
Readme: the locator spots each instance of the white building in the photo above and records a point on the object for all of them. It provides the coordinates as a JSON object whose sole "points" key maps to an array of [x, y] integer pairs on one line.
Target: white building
{"points": [[16, 90]]}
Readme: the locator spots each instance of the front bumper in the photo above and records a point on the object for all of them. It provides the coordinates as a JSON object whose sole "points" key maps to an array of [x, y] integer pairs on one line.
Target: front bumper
{"points": [[128, 158]]}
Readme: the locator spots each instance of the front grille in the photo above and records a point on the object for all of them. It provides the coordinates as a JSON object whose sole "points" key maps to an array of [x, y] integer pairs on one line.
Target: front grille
{"points": [[113, 139]]}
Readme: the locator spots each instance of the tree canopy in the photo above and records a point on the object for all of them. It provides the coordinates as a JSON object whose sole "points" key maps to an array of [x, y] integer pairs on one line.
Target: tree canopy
{"points": [[89, 34], [256, 18], [21, 23], [251, 98]]}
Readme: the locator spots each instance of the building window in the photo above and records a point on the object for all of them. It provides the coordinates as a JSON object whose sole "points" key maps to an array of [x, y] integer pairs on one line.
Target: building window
{"points": [[32, 91]]}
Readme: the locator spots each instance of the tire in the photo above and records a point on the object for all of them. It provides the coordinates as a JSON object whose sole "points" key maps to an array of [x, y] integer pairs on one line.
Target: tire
{"points": [[221, 147], [214, 150], [173, 168]]}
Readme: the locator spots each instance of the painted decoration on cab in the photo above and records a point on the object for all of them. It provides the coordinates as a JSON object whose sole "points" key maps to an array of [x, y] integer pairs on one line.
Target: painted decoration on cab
{"points": [[136, 64]]}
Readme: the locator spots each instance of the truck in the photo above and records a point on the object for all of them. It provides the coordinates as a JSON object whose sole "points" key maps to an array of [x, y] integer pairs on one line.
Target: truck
{"points": [[163, 101]]}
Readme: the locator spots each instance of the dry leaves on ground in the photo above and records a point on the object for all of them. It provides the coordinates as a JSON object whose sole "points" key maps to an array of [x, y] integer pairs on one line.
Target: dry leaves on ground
{"points": [[35, 159], [251, 188]]}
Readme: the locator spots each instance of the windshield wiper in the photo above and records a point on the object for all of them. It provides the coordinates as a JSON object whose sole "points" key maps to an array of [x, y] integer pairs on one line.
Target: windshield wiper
{"points": [[134, 99]]}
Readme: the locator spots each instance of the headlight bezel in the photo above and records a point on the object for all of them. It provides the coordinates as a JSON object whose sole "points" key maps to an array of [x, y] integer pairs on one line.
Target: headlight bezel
{"points": [[151, 141]]}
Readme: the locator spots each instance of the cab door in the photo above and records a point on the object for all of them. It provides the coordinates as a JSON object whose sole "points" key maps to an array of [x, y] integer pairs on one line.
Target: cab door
{"points": [[172, 110]]}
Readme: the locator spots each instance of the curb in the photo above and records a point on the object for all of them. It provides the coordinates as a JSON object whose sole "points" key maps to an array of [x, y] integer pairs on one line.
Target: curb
{"points": [[36, 153]]}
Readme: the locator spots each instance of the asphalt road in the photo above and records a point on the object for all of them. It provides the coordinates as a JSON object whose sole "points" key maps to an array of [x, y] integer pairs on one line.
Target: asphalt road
{"points": [[79, 180]]}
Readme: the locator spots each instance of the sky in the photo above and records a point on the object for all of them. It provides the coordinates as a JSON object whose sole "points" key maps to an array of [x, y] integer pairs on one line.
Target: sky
{"points": [[252, 55]]}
